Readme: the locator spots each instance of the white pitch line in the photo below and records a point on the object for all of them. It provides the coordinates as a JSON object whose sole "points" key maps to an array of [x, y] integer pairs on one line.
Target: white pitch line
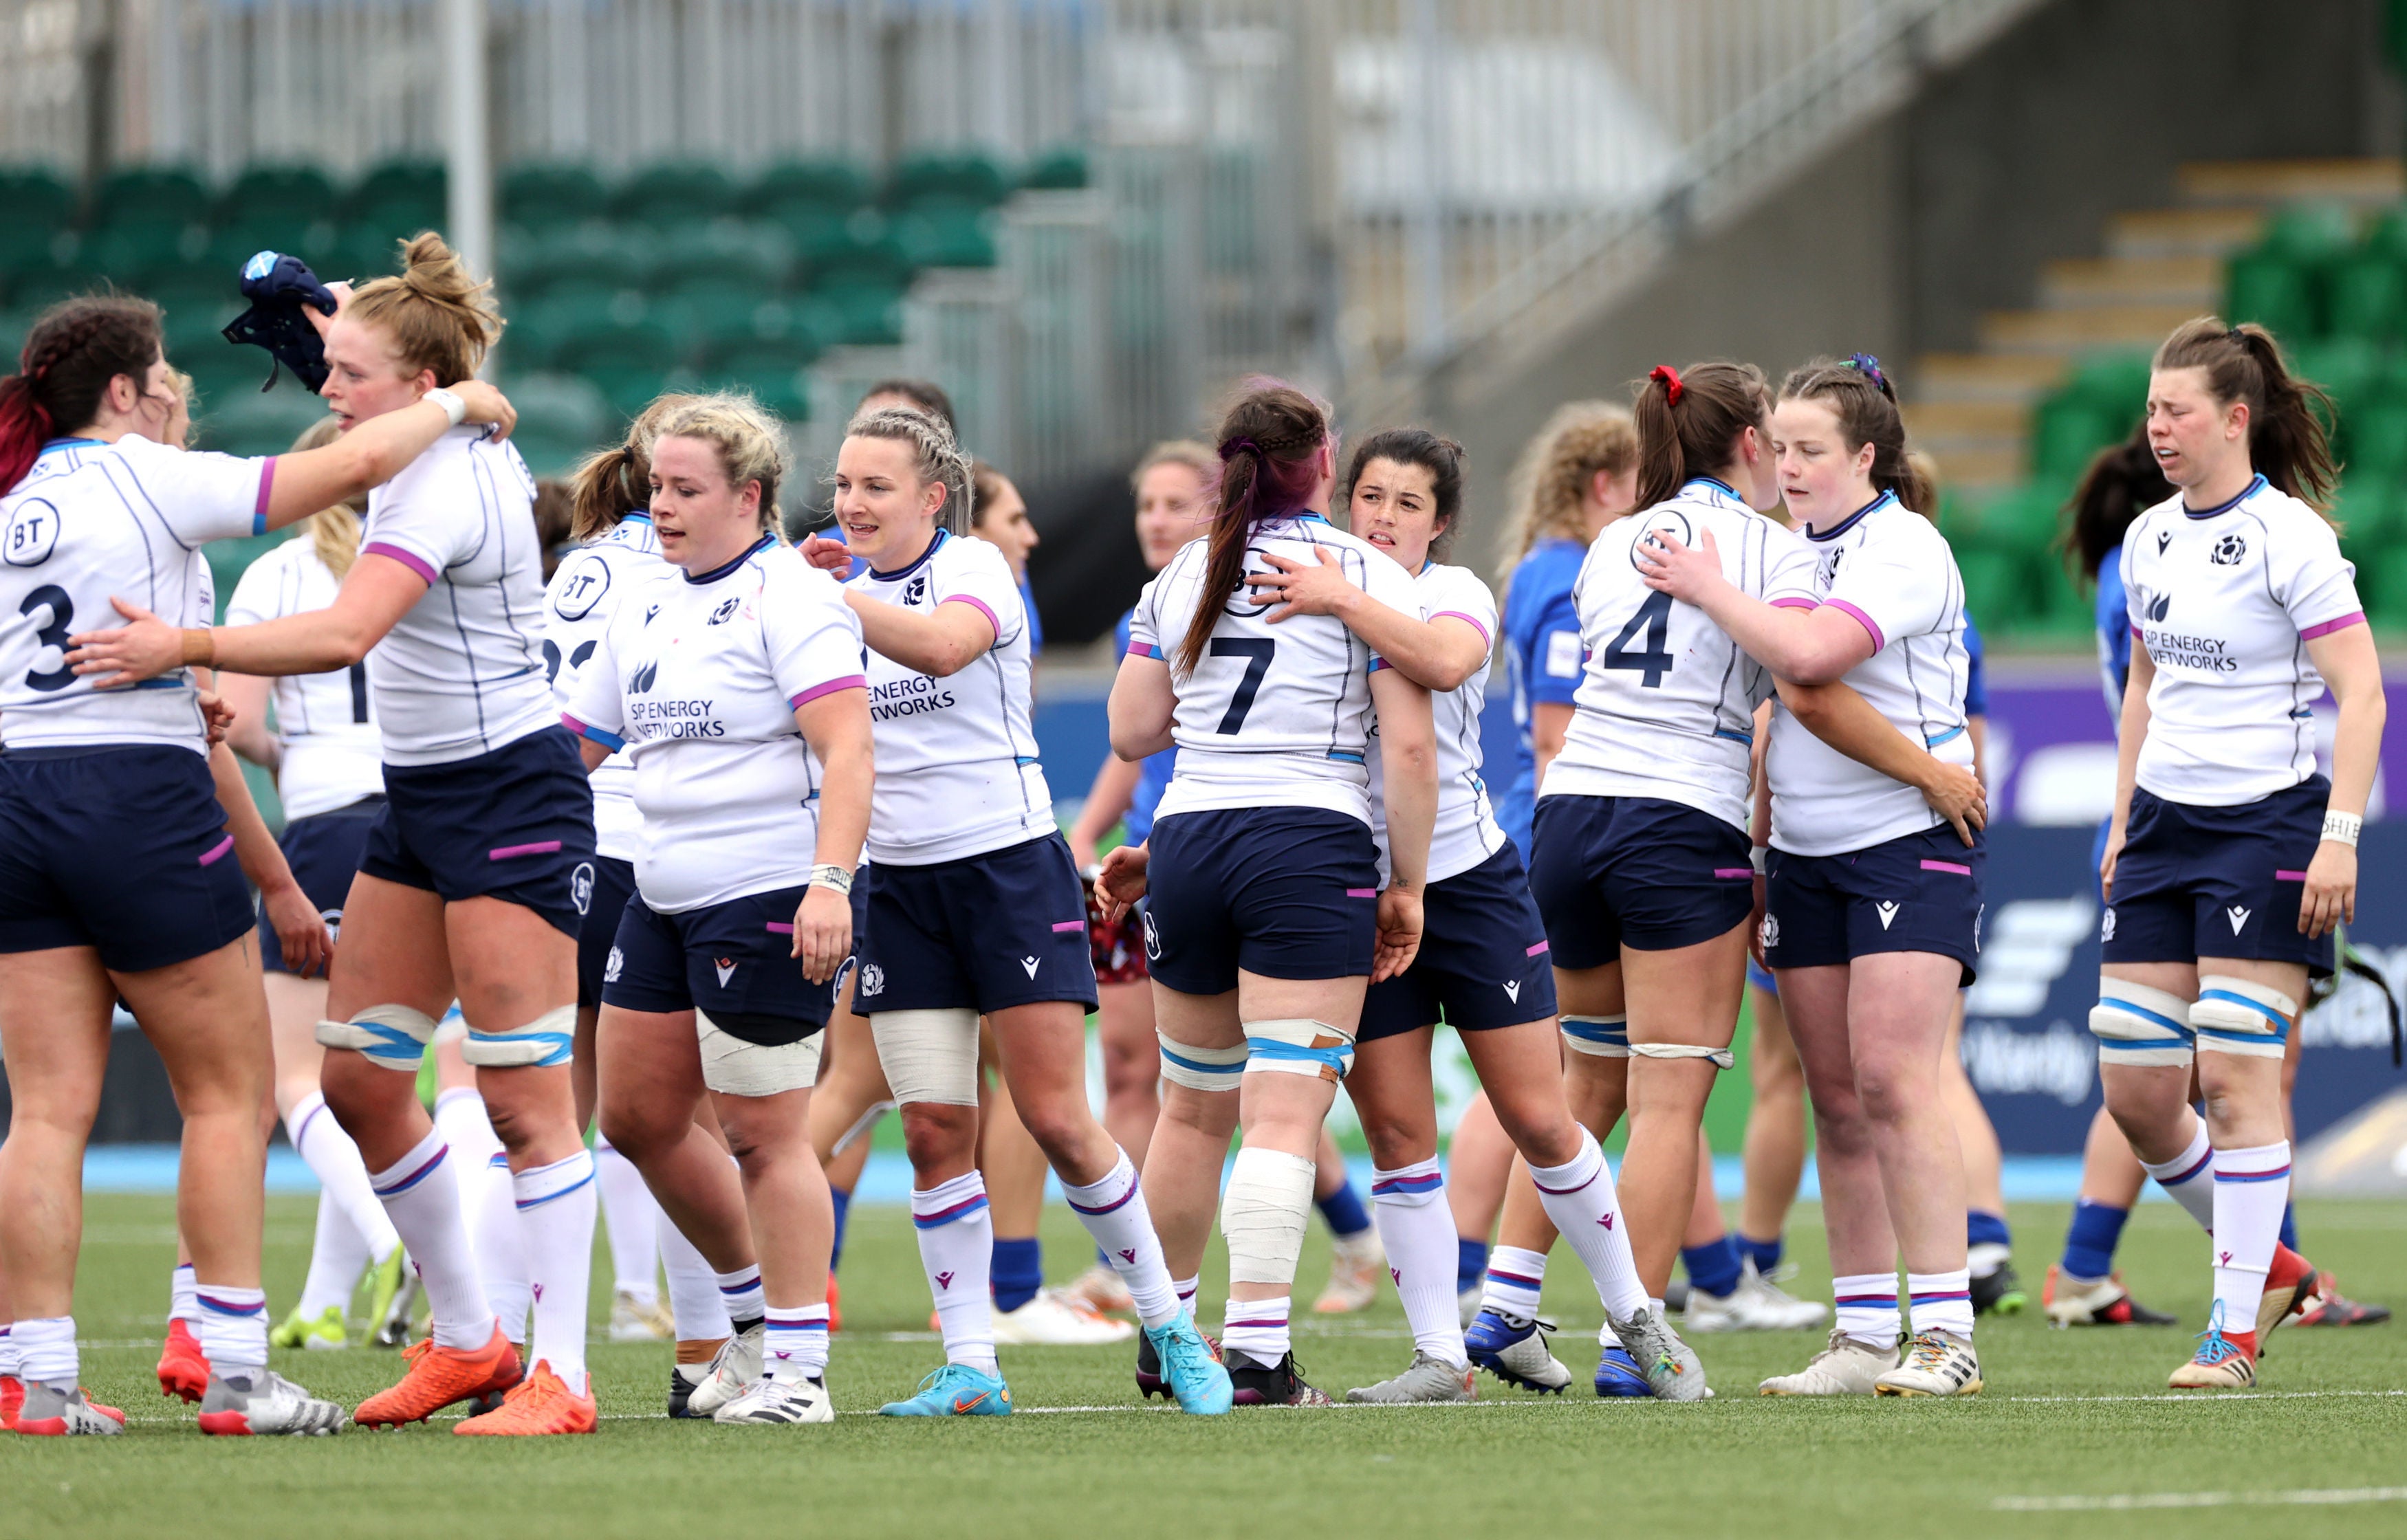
{"points": [[2212, 1398], [2331, 1496]]}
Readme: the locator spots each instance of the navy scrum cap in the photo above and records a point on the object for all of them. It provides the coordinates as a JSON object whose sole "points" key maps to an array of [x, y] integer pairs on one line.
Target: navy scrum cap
{"points": [[278, 286]]}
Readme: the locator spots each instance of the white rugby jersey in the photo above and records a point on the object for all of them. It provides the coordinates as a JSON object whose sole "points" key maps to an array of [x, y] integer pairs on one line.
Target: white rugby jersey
{"points": [[956, 770], [332, 754], [462, 673], [586, 591], [1272, 716], [696, 679], [1886, 566], [1465, 833], [1666, 701], [91, 520], [2226, 600]]}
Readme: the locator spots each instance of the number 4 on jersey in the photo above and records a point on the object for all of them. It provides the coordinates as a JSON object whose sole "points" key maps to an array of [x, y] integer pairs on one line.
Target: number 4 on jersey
{"points": [[1654, 662]]}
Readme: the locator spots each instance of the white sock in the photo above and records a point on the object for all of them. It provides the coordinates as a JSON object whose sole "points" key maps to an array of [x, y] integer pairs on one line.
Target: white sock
{"points": [[1185, 1287], [1114, 1212], [1256, 1328], [459, 1117], [422, 1199], [556, 1205], [9, 1362], [1516, 1277], [338, 1255], [500, 1240], [957, 1248], [794, 1342], [341, 1174], [1940, 1301], [633, 1220], [234, 1330], [693, 1289], [45, 1352], [1866, 1307], [2251, 1186], [739, 1293], [1579, 1197], [181, 1306], [2188, 1177], [1417, 1229]]}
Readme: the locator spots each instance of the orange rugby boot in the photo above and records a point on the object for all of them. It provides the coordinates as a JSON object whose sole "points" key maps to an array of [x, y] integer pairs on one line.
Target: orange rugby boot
{"points": [[539, 1405], [438, 1377], [182, 1370]]}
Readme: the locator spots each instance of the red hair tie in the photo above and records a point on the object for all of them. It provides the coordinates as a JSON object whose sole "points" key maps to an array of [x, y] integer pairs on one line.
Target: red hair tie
{"points": [[1671, 378]]}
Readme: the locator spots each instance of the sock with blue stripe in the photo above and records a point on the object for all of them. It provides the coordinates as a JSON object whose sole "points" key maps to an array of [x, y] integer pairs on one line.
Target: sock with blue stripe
{"points": [[2188, 1177], [1983, 1228], [843, 1203], [1343, 1212], [1765, 1254], [2089, 1242], [500, 1240], [1417, 1229], [2251, 1188], [1865, 1305], [1713, 1267], [1017, 1271], [557, 1204], [1515, 1278], [739, 1293], [422, 1198], [2291, 1226], [1470, 1264], [794, 1342], [957, 1250], [1940, 1301], [1114, 1212], [234, 1331]]}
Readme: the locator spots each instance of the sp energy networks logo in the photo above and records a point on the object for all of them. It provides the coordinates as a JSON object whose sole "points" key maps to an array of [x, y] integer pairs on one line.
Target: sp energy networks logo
{"points": [[641, 681]]}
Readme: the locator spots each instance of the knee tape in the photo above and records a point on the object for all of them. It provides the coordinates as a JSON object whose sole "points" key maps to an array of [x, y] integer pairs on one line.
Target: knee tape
{"points": [[2234, 1016], [734, 1068], [1599, 1036], [1262, 1215], [1722, 1058], [929, 1055], [452, 1027], [542, 1043], [393, 1036], [1298, 1045], [1202, 1069], [2140, 1026]]}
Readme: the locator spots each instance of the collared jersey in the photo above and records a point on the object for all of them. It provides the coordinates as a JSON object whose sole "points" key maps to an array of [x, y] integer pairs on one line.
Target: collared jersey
{"points": [[957, 765], [1270, 715], [92, 521], [696, 678], [332, 754], [1152, 774], [1666, 703], [1465, 833], [586, 591], [2226, 600], [1891, 569], [461, 673], [1542, 663]]}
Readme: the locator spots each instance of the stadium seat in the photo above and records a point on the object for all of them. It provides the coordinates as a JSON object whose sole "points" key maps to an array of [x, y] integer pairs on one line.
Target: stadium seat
{"points": [[151, 195], [561, 418], [2367, 296], [2272, 290], [399, 193], [967, 178], [2313, 235], [757, 258], [535, 262], [946, 234], [2345, 364], [819, 184], [1057, 170], [2368, 512], [670, 193], [771, 373], [709, 321], [2067, 430], [35, 199], [2386, 592], [1995, 588], [539, 329], [2374, 438], [544, 197], [255, 422], [296, 195]]}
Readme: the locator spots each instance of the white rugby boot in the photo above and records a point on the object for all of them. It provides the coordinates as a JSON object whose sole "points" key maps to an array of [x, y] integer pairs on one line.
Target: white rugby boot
{"points": [[1934, 1363], [1848, 1366]]}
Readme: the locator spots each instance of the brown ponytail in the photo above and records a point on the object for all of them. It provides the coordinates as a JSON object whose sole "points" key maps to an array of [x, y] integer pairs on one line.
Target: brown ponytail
{"points": [[2289, 418], [1859, 395], [618, 481], [1271, 444], [71, 353], [1689, 422]]}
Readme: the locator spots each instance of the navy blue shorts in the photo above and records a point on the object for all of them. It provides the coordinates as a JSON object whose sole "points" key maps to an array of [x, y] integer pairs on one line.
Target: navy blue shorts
{"points": [[1287, 893], [1916, 892], [1635, 871], [121, 848], [516, 825], [1482, 960], [733, 962], [601, 907], [2197, 882], [985, 933], [323, 851]]}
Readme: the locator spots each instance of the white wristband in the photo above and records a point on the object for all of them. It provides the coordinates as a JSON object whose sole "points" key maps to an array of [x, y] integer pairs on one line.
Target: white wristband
{"points": [[453, 408], [831, 877], [2343, 827]]}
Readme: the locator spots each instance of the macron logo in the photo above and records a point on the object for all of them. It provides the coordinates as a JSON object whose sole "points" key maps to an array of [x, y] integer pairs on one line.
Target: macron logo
{"points": [[1606, 1221], [1887, 913], [2238, 916], [1513, 992], [724, 969], [944, 1280], [1029, 964], [1129, 1257]]}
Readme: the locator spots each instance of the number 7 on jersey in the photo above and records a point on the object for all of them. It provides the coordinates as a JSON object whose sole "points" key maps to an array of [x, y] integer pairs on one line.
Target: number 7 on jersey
{"points": [[1257, 651]]}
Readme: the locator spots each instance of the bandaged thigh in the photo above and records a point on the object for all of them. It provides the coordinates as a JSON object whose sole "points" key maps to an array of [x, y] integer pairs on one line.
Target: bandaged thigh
{"points": [[1298, 1045], [735, 1067], [2234, 1016], [1202, 1069], [542, 1043], [1599, 1036], [929, 1055], [393, 1036], [2141, 1027]]}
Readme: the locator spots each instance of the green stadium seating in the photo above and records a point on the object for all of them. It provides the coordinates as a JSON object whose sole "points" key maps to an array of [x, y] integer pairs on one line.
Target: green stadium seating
{"points": [[1059, 170], [253, 422], [2066, 432], [562, 419], [295, 195], [2374, 438], [2274, 290], [534, 263], [35, 199], [544, 196], [969, 178], [400, 193], [946, 234], [671, 193], [151, 195], [823, 184], [772, 373], [2367, 297], [1995, 589], [752, 257], [2384, 586], [2345, 365]]}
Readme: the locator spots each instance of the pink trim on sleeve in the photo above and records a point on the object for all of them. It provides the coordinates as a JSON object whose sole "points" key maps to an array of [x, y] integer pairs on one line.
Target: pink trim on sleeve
{"points": [[1861, 620], [964, 599], [2328, 627], [266, 486], [849, 682], [1470, 620], [1143, 649], [414, 563], [1792, 602]]}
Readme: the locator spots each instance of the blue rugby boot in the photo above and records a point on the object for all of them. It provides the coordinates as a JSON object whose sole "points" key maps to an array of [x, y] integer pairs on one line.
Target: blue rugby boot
{"points": [[1514, 1350], [1618, 1374], [955, 1391], [1192, 1370]]}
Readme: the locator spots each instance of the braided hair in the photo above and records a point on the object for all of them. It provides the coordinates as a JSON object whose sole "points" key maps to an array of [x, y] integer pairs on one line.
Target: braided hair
{"points": [[936, 457], [73, 351]]}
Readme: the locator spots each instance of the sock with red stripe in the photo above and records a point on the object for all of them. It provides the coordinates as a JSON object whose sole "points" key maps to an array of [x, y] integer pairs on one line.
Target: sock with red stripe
{"points": [[422, 1199], [1579, 1197], [556, 1206], [1865, 1305], [234, 1330], [1256, 1328], [1940, 1301], [1185, 1287], [1516, 1277], [2188, 1177], [1114, 1212], [2251, 1186], [794, 1342], [1416, 1230], [957, 1250]]}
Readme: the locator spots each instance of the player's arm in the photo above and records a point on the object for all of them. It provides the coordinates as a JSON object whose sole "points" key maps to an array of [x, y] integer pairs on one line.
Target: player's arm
{"points": [[1810, 647], [2130, 733], [250, 736], [1142, 706], [955, 634], [2347, 661], [1551, 723], [376, 594], [1438, 654], [836, 727], [1409, 764], [371, 453], [298, 926], [1837, 715]]}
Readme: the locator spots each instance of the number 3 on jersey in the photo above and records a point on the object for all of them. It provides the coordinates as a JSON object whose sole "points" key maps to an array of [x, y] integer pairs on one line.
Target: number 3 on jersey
{"points": [[1655, 615]]}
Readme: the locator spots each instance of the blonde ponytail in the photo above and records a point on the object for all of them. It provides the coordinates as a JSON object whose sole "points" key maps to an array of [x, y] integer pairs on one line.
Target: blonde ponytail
{"points": [[436, 314], [334, 533]]}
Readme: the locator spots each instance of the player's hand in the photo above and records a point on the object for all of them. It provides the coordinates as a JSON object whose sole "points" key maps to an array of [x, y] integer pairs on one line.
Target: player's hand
{"points": [[341, 290], [1956, 794], [220, 716], [1684, 573], [2330, 896], [300, 928], [2115, 852], [1299, 589], [485, 403], [1400, 933], [143, 649], [827, 556], [822, 932], [1122, 880]]}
